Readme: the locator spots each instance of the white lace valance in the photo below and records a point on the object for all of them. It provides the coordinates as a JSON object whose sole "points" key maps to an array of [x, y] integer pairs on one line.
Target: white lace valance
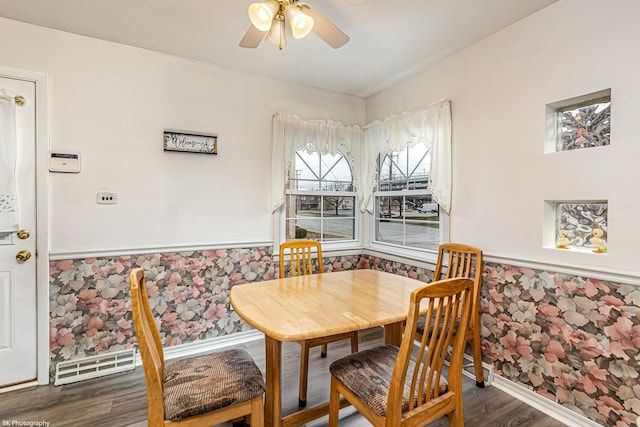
{"points": [[431, 127], [363, 144], [290, 134]]}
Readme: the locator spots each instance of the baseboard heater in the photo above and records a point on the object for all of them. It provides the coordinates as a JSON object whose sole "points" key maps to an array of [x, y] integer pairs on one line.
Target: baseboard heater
{"points": [[86, 368]]}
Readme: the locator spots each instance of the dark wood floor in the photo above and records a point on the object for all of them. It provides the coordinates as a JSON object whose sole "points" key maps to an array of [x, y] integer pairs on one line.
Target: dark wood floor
{"points": [[120, 400]]}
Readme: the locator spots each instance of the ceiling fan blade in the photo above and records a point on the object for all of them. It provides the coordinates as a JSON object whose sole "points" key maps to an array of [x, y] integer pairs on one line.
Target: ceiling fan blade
{"points": [[325, 29], [252, 37]]}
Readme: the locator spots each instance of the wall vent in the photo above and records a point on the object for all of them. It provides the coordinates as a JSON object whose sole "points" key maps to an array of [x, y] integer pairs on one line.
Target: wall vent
{"points": [[95, 366]]}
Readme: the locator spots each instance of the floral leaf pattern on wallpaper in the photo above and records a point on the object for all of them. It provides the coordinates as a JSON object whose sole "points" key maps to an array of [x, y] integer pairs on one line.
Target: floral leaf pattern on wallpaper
{"points": [[571, 339], [574, 340], [90, 308]]}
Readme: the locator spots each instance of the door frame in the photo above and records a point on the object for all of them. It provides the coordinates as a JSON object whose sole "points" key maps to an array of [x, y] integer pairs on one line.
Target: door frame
{"points": [[41, 81]]}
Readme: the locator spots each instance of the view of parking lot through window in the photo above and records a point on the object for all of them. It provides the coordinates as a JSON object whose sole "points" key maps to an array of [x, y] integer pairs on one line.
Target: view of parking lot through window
{"points": [[321, 200], [405, 213]]}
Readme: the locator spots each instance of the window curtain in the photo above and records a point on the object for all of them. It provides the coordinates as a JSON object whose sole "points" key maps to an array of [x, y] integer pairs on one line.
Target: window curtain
{"points": [[431, 127], [8, 155], [290, 134]]}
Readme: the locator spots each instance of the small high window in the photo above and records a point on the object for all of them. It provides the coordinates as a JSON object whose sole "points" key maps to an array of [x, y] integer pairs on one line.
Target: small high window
{"points": [[582, 225], [582, 122]]}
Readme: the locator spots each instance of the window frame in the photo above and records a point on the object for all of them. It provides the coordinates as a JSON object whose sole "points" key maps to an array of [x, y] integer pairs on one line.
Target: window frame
{"points": [[394, 248], [321, 192], [552, 225]]}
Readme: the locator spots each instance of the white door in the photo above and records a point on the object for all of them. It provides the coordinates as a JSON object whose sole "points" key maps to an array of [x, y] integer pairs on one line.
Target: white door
{"points": [[18, 357]]}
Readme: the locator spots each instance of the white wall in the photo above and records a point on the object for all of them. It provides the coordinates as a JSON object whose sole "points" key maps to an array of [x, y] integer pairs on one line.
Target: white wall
{"points": [[499, 88], [111, 103]]}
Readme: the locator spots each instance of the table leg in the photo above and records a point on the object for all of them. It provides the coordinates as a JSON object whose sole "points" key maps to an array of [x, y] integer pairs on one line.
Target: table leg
{"points": [[393, 334], [273, 398]]}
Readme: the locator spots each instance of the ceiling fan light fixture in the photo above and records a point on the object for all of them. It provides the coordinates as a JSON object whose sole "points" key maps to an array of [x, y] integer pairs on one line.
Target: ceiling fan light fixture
{"points": [[276, 34], [261, 14], [301, 23], [268, 23]]}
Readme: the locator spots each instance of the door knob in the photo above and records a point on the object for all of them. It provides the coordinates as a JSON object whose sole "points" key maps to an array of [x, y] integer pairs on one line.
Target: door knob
{"points": [[23, 256], [23, 234]]}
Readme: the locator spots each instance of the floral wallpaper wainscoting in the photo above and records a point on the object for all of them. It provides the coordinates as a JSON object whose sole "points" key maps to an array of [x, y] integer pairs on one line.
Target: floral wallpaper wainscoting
{"points": [[90, 308], [572, 339]]}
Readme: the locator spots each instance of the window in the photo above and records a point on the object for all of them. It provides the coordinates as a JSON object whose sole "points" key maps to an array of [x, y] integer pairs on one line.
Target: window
{"points": [[580, 122], [405, 214], [582, 225], [585, 125], [320, 201]]}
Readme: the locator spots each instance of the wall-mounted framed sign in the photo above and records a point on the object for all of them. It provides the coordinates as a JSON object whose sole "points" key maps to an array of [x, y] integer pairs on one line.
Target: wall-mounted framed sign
{"points": [[190, 142]]}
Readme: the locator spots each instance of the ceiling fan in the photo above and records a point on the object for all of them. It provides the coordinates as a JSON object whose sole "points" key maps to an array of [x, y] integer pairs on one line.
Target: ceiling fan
{"points": [[268, 23]]}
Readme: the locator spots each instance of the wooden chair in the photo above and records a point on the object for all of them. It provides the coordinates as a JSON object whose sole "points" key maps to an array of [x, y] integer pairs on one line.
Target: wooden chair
{"points": [[389, 387], [197, 391], [458, 260], [299, 255]]}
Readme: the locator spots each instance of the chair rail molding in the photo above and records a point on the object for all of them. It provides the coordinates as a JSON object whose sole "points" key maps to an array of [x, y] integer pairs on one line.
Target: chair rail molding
{"points": [[57, 255], [576, 270]]}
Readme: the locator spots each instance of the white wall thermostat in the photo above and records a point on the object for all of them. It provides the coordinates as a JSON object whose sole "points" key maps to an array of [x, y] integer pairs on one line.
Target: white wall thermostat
{"points": [[64, 162]]}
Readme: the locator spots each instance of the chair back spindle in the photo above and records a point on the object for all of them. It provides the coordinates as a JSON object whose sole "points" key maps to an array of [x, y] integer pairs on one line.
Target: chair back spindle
{"points": [[462, 261], [299, 254], [446, 303]]}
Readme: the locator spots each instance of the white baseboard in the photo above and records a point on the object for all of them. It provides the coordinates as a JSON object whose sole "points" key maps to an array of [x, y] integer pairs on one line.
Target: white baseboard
{"points": [[541, 403], [18, 386]]}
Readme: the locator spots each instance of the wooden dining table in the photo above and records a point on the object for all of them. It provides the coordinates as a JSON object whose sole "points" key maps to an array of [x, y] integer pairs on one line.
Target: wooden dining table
{"points": [[319, 305]]}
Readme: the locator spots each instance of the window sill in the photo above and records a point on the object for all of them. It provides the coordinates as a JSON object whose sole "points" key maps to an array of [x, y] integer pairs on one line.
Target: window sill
{"points": [[421, 258]]}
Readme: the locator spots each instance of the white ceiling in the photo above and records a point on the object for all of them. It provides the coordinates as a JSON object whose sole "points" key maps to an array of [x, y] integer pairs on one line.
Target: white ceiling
{"points": [[389, 39]]}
